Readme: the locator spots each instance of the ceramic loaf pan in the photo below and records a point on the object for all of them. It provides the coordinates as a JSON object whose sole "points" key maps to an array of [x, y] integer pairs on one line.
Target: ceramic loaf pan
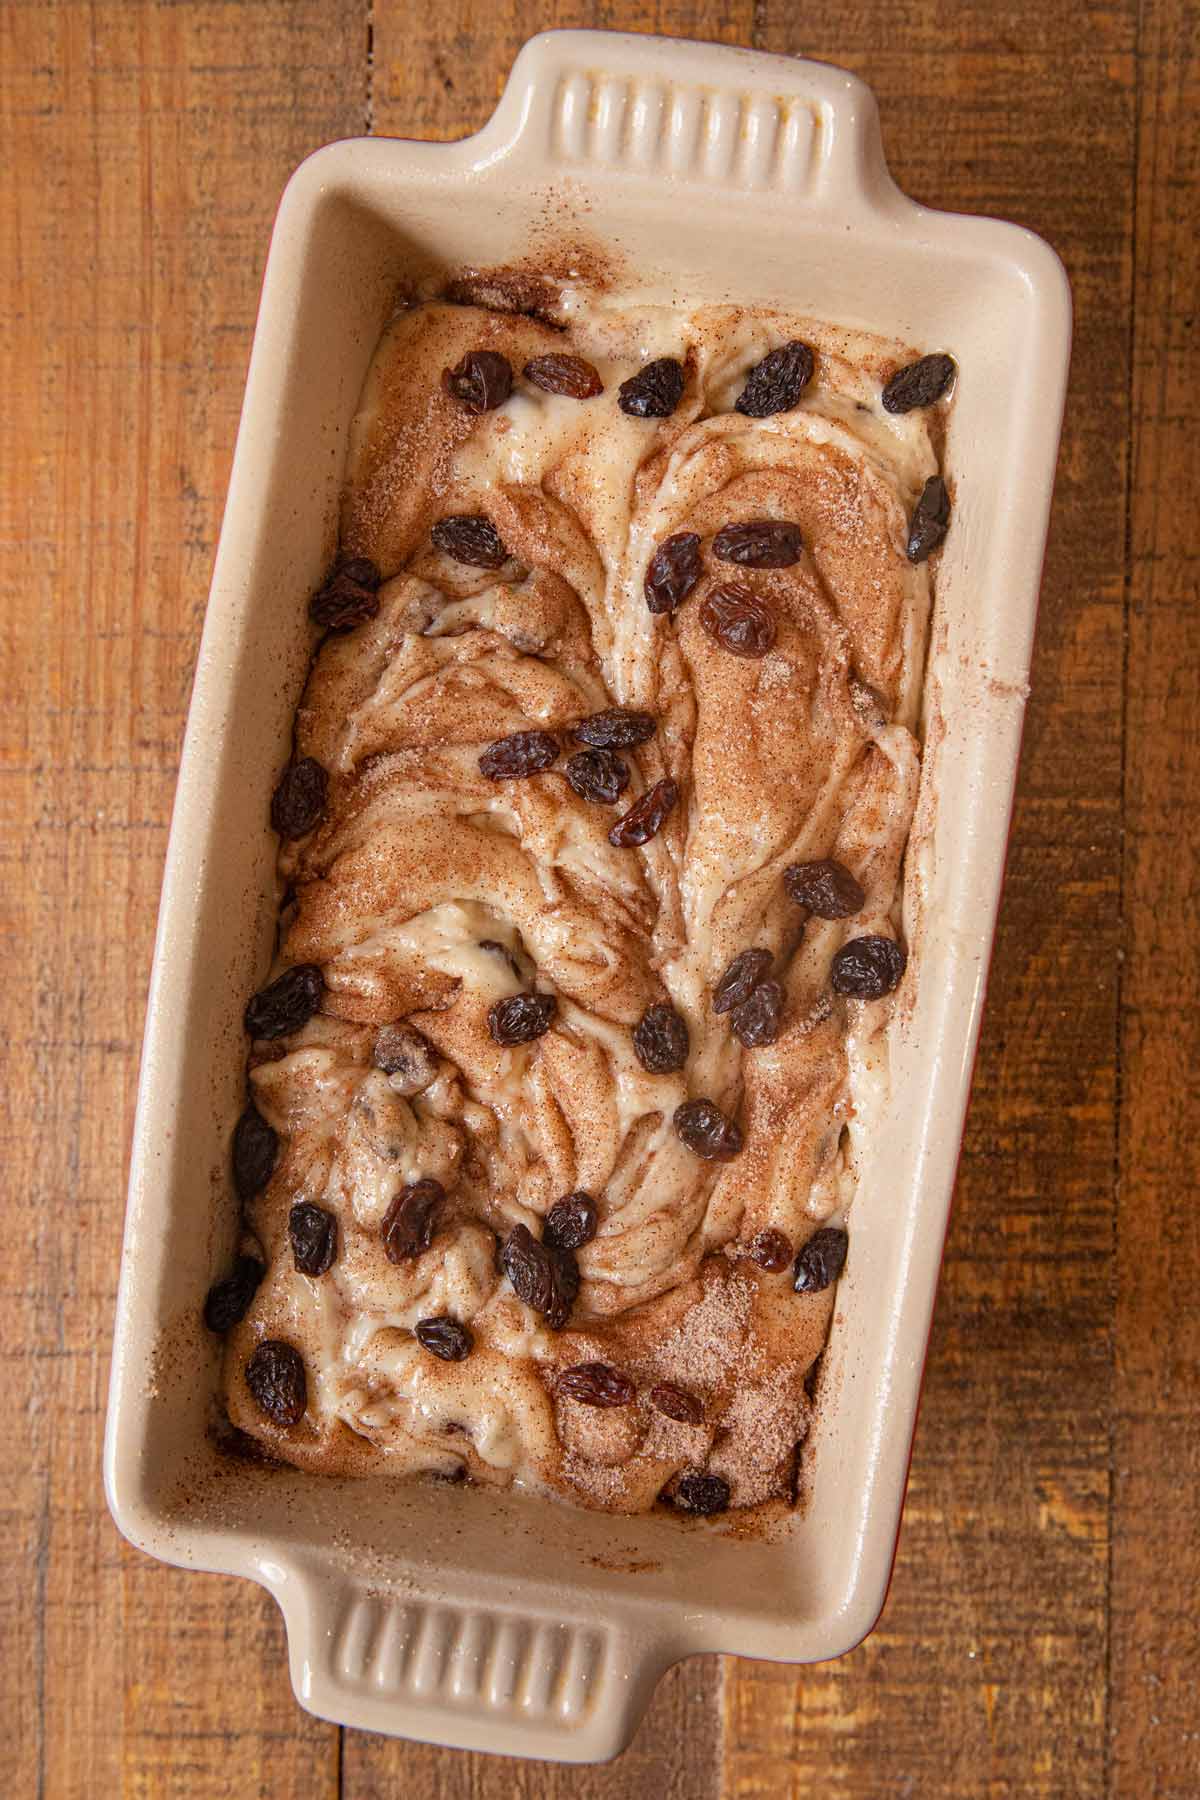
{"points": [[501, 1621]]}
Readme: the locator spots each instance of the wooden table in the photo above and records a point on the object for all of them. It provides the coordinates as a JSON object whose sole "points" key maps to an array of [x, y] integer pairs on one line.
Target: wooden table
{"points": [[1040, 1637]]}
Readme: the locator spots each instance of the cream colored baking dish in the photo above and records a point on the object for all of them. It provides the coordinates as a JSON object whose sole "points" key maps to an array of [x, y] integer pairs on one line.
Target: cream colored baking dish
{"points": [[500, 1622]]}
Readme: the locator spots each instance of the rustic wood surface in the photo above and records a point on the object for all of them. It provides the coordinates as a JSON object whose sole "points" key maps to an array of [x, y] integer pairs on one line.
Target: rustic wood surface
{"points": [[1040, 1637]]}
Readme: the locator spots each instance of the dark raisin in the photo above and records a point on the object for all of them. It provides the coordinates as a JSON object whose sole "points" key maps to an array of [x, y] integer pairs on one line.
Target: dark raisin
{"points": [[470, 538], [596, 1384], [660, 1039], [759, 544], [313, 1234], [598, 775], [406, 1056], [569, 375], [827, 888], [615, 729], [654, 392], [771, 1250], [520, 1018], [228, 1301], [482, 381], [298, 803], [868, 967], [706, 1131], [704, 1494], [277, 1382], [756, 1021], [673, 572], [255, 1147], [645, 817], [529, 1267], [740, 979], [920, 384], [411, 1220], [545, 1279], [738, 620], [684, 1408], [286, 1003], [564, 1276], [571, 1222], [445, 1337], [522, 753], [775, 384], [820, 1261], [349, 596], [930, 521]]}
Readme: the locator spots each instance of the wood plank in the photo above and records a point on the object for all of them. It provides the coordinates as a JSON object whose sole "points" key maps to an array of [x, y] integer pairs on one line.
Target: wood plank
{"points": [[438, 74], [987, 1674], [144, 148], [1154, 1724]]}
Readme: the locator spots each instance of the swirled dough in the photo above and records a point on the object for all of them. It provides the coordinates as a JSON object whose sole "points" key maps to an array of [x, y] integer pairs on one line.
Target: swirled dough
{"points": [[429, 892]]}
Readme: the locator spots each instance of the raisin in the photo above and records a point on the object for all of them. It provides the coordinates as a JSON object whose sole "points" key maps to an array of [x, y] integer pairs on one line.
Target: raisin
{"points": [[482, 381], [820, 1261], [704, 1494], [771, 1250], [645, 817], [759, 544], [313, 1234], [411, 1220], [445, 1337], [775, 384], [298, 803], [564, 1276], [930, 521], [277, 1382], [528, 1266], [827, 888], [228, 1301], [470, 538], [684, 1408], [738, 620], [598, 775], [349, 596], [706, 1131], [660, 1039], [521, 753], [255, 1147], [571, 1222], [868, 967], [520, 1018], [545, 1279], [407, 1057], [286, 1003], [740, 979], [615, 729], [654, 392], [673, 572], [920, 384], [596, 1384], [756, 1021], [569, 375]]}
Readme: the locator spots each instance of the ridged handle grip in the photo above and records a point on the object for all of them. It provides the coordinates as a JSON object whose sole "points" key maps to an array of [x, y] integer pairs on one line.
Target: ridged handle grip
{"points": [[610, 101], [477, 1677]]}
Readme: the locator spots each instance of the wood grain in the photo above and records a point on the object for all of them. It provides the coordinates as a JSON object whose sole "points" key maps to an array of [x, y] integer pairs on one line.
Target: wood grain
{"points": [[1154, 1720], [144, 148], [1039, 1639]]}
